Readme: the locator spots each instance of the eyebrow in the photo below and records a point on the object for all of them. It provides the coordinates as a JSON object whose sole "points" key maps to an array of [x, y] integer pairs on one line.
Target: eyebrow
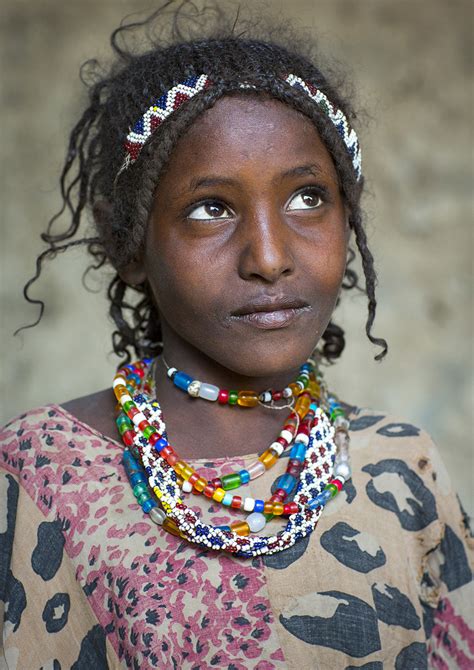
{"points": [[312, 169]]}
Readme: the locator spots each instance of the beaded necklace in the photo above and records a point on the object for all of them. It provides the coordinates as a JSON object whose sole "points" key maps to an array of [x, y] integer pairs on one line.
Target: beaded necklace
{"points": [[153, 467]]}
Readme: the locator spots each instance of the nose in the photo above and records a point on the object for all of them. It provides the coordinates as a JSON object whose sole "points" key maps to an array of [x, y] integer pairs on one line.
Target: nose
{"points": [[266, 247]]}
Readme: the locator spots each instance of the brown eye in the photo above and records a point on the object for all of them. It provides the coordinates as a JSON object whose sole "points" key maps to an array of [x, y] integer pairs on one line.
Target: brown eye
{"points": [[309, 199], [208, 211]]}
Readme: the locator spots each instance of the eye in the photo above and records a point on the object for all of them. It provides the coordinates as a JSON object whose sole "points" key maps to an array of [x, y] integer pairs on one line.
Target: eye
{"points": [[208, 211], [307, 199]]}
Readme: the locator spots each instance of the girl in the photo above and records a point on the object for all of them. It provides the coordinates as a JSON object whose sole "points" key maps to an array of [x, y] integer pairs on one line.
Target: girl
{"points": [[169, 523]]}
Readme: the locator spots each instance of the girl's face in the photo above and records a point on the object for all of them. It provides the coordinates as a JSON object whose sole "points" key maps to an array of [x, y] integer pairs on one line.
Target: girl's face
{"points": [[247, 239]]}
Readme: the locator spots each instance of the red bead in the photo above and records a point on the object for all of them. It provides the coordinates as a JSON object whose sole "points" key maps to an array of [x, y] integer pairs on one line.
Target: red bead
{"points": [[127, 437], [209, 491], [276, 498], [236, 502], [293, 471], [337, 483], [294, 463], [143, 424], [193, 479], [216, 482], [282, 441], [154, 437], [223, 397], [133, 411], [277, 395], [139, 372], [166, 451], [281, 493], [290, 508]]}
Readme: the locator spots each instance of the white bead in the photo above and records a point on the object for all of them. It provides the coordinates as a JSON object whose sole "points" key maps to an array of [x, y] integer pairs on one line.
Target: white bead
{"points": [[287, 392], [256, 522], [187, 487], [249, 504], [119, 381], [194, 388], [209, 392], [125, 398], [343, 469], [171, 372], [138, 418], [266, 396], [286, 435], [304, 439], [277, 448], [157, 515]]}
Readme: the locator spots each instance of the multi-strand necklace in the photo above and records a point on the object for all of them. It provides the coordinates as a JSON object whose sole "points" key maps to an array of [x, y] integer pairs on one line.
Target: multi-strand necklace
{"points": [[315, 432]]}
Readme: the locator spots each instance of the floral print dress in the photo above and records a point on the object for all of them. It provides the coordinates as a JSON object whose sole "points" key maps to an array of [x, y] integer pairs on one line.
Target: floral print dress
{"points": [[88, 582]]}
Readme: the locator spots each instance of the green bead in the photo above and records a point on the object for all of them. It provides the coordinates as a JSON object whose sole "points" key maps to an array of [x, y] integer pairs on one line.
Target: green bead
{"points": [[140, 489], [127, 406], [149, 430], [333, 488], [230, 481], [336, 412], [233, 397], [268, 517]]}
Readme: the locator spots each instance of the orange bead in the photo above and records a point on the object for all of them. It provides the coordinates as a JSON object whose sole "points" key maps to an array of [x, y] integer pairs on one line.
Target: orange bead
{"points": [[240, 527], [247, 399], [268, 458]]}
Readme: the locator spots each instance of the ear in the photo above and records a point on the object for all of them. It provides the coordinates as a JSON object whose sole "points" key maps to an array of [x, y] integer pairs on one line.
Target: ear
{"points": [[133, 273]]}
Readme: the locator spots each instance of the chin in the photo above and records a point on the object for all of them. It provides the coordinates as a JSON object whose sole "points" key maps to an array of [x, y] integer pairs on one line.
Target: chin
{"points": [[269, 356]]}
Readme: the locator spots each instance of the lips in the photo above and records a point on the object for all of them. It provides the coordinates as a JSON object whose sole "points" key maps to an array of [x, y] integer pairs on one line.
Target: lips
{"points": [[271, 312]]}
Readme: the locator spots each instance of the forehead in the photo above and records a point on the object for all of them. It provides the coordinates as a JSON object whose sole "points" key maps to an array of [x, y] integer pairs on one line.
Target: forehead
{"points": [[243, 130]]}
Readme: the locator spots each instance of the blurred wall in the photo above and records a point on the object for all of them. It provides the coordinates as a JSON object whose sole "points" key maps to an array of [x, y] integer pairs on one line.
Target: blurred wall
{"points": [[410, 61]]}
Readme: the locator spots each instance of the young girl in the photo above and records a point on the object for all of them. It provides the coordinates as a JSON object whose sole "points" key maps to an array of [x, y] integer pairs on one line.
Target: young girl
{"points": [[168, 523]]}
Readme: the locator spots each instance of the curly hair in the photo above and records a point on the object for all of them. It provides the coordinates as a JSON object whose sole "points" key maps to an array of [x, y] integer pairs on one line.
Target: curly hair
{"points": [[121, 203]]}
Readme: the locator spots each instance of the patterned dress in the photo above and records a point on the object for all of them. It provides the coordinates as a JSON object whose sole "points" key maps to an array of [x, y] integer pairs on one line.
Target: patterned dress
{"points": [[88, 582]]}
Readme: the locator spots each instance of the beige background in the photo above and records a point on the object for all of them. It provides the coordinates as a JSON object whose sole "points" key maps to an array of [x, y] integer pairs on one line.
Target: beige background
{"points": [[411, 61]]}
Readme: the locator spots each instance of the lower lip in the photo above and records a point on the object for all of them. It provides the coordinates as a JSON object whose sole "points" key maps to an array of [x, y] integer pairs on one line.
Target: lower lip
{"points": [[280, 318]]}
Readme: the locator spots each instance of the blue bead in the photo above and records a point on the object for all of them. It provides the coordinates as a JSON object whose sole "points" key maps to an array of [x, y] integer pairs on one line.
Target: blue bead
{"points": [[298, 451], [244, 476], [161, 444], [148, 505], [182, 380], [313, 407], [227, 499], [259, 506], [285, 482], [137, 478]]}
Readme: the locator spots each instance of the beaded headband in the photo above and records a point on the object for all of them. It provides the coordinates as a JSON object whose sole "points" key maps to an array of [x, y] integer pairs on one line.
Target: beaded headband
{"points": [[174, 98]]}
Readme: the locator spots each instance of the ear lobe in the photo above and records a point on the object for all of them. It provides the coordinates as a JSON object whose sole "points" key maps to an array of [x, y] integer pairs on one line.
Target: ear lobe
{"points": [[133, 273]]}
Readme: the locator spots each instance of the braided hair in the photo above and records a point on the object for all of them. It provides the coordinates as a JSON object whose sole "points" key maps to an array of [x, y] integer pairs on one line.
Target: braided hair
{"points": [[122, 200]]}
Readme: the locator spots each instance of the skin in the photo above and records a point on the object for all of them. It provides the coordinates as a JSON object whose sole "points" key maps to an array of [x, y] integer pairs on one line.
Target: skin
{"points": [[249, 210]]}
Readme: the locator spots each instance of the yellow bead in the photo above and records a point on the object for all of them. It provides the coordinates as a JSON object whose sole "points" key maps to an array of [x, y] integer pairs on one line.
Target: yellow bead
{"points": [[171, 527], [218, 494], [157, 492], [179, 467], [277, 508], [295, 389], [247, 399], [302, 405], [240, 527], [268, 508], [314, 389], [201, 484], [187, 471], [268, 458]]}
